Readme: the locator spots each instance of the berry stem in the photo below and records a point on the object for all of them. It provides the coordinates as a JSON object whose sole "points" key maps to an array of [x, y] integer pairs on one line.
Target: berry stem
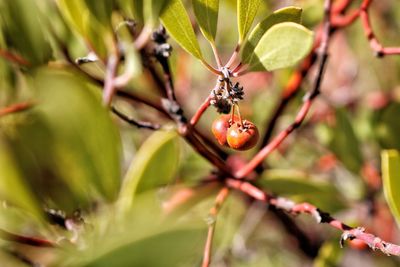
{"points": [[232, 120], [196, 117], [239, 115]]}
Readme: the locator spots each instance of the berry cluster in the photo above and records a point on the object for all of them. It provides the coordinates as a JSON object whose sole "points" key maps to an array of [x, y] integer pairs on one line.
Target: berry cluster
{"points": [[230, 130]]}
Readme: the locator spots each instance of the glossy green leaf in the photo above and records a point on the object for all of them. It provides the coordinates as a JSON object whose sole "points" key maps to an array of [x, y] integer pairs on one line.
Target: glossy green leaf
{"points": [[177, 22], [206, 12], [391, 181], [154, 165], [345, 143], [23, 30], [152, 10], [283, 45], [13, 188], [300, 187], [287, 14], [246, 12], [180, 247]]}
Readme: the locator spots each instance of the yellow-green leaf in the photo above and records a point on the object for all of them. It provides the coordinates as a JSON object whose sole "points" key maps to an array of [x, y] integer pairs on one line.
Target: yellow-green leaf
{"points": [[155, 164], [391, 181], [206, 12], [152, 10], [283, 45], [246, 12], [177, 22], [13, 188], [287, 14]]}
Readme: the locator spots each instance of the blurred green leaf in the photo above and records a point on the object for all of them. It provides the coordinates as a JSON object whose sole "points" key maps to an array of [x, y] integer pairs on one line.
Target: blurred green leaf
{"points": [[155, 164], [169, 248], [79, 17], [301, 188], [387, 127], [246, 12], [24, 32], [283, 45], [391, 181], [329, 255], [287, 14], [13, 188], [177, 22], [152, 10], [84, 126], [132, 9], [68, 149], [345, 143], [206, 12], [101, 10]]}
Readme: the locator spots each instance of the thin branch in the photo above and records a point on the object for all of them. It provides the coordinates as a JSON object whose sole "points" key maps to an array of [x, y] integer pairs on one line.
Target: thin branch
{"points": [[219, 201], [19, 256], [18, 107], [203, 107], [31, 241], [139, 124], [109, 81], [14, 58], [376, 46], [338, 20], [320, 216], [264, 152]]}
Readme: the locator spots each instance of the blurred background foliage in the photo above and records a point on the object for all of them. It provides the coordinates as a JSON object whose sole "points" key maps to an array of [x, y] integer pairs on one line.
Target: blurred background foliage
{"points": [[68, 153]]}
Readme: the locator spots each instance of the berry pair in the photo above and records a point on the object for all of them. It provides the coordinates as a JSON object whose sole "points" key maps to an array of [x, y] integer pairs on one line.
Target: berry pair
{"points": [[233, 132]]}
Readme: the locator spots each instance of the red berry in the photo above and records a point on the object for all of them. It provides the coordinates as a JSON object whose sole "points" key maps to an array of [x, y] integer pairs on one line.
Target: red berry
{"points": [[220, 128], [242, 137]]}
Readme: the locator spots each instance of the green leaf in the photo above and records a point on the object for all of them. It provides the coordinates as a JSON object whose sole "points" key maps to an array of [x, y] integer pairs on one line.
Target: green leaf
{"points": [[13, 188], [76, 13], [387, 126], [283, 45], [177, 22], [206, 12], [301, 188], [152, 10], [70, 144], [101, 10], [155, 164], [329, 255], [345, 143], [23, 30], [80, 18], [246, 12], [287, 14], [391, 181], [179, 247]]}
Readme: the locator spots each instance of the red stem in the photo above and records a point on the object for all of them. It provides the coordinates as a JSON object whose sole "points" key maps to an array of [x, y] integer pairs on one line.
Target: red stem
{"points": [[13, 57], [203, 107], [31, 241], [374, 43], [18, 107], [219, 201], [289, 206]]}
